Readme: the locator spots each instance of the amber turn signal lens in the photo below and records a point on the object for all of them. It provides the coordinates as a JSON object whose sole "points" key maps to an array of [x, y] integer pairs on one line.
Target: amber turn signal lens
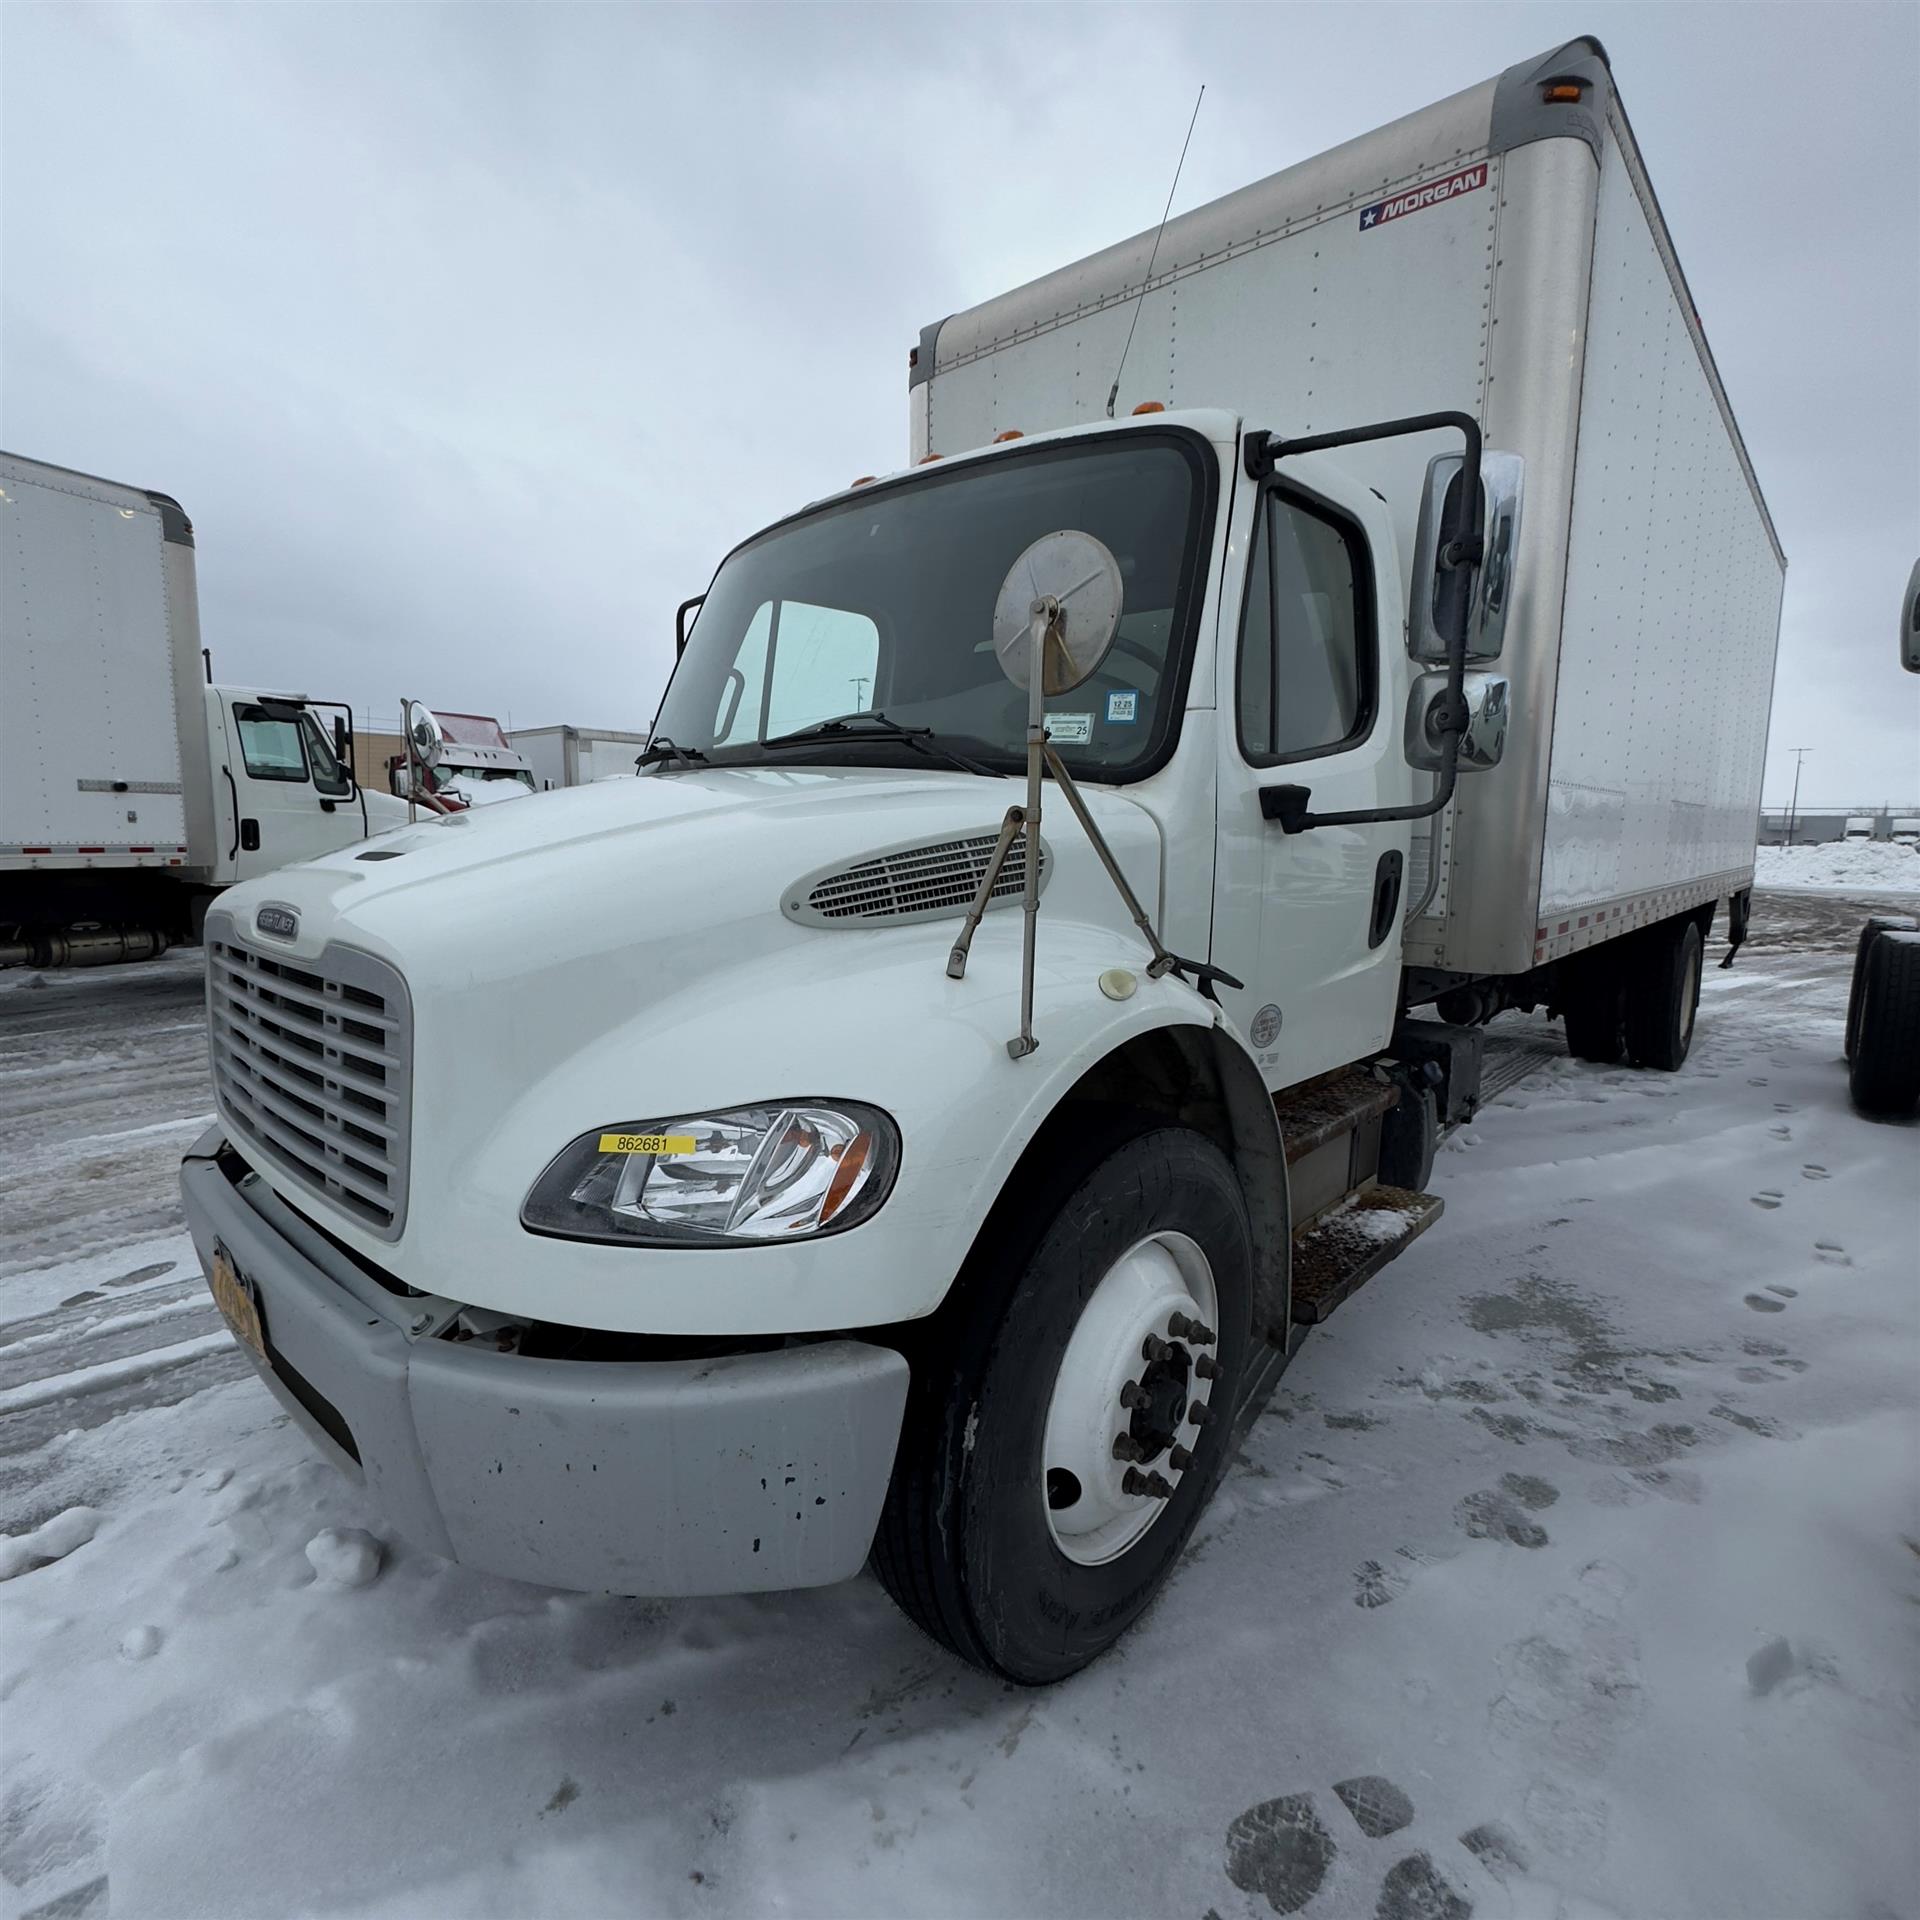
{"points": [[1012, 433], [1151, 406], [1562, 91]]}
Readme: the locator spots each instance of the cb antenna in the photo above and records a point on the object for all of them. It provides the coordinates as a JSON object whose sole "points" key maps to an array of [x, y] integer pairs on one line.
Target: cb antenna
{"points": [[1113, 392]]}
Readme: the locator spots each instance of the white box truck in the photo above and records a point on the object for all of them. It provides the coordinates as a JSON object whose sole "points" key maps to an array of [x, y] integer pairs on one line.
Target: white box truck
{"points": [[132, 790], [574, 756], [925, 1112]]}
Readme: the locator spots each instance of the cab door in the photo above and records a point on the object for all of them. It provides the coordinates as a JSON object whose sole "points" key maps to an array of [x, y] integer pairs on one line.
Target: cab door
{"points": [[1312, 682], [287, 797]]}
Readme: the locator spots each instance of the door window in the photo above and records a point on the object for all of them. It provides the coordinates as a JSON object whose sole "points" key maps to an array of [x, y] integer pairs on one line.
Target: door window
{"points": [[1306, 636], [271, 747], [328, 774]]}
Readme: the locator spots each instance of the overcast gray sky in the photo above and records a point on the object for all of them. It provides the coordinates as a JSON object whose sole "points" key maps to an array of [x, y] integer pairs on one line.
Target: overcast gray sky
{"points": [[471, 337]]}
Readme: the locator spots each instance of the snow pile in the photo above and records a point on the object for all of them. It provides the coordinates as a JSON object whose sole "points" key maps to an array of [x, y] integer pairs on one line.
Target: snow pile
{"points": [[1840, 866], [50, 1541], [344, 1557]]}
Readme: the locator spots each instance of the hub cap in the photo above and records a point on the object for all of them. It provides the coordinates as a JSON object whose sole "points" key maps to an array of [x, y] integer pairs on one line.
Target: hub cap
{"points": [[1134, 1387]]}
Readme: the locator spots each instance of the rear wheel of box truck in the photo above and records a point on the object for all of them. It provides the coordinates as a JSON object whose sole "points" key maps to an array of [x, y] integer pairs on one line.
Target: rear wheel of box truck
{"points": [[1663, 993], [1877, 924], [1594, 1008], [1070, 1418], [1884, 1079]]}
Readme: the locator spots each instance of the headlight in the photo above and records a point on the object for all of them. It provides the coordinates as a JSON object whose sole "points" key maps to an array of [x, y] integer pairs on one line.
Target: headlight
{"points": [[750, 1174]]}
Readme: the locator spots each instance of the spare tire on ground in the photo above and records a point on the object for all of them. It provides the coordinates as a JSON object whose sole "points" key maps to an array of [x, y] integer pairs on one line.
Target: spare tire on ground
{"points": [[1877, 924]]}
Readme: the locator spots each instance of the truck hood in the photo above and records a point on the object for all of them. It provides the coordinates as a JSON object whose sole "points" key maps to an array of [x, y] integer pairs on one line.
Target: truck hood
{"points": [[647, 882]]}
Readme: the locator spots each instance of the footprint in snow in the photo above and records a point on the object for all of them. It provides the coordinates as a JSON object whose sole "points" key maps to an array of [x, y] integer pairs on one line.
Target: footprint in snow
{"points": [[1756, 1083], [1767, 1198], [1785, 1293], [1375, 1585], [1830, 1254], [1781, 1133], [1760, 1303], [1811, 1172], [1282, 1849], [1783, 1106]]}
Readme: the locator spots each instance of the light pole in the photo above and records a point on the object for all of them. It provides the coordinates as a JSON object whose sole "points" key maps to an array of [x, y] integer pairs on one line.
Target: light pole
{"points": [[1793, 805]]}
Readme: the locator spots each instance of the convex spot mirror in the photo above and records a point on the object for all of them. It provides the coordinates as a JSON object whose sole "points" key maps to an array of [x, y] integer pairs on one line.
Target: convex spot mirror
{"points": [[428, 740], [1910, 622], [1486, 591], [1081, 574], [1485, 739]]}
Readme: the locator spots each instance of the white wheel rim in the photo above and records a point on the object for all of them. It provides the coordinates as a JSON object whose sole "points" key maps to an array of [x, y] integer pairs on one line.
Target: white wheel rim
{"points": [[1158, 1289]]}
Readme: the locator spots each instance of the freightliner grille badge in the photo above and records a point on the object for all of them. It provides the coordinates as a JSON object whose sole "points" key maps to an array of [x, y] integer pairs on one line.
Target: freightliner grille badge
{"points": [[282, 923]]}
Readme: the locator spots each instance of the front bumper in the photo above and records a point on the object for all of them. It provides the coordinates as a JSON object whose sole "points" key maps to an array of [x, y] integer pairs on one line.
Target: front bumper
{"points": [[743, 1473]]}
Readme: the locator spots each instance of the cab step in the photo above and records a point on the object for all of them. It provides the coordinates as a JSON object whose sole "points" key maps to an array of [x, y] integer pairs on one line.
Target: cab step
{"points": [[1337, 1254]]}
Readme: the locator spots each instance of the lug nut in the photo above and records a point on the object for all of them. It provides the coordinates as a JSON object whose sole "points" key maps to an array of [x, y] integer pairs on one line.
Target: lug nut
{"points": [[1206, 1367], [1179, 1459], [1153, 1348], [1154, 1486], [1133, 1394], [1126, 1447], [1200, 1333], [1179, 1326], [1199, 1413]]}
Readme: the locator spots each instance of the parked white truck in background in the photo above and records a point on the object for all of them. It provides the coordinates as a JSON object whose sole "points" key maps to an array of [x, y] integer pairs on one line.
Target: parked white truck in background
{"points": [[860, 1170], [131, 790], [574, 756]]}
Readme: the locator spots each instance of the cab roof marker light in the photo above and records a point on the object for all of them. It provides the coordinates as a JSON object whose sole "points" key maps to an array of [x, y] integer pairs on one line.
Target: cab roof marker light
{"points": [[1149, 406]]}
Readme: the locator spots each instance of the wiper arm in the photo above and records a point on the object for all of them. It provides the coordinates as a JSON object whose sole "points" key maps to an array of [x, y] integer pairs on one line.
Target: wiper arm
{"points": [[853, 726], [662, 752]]}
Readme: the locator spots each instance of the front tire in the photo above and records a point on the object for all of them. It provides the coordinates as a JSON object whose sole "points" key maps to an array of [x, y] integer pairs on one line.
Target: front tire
{"points": [[1013, 1533]]}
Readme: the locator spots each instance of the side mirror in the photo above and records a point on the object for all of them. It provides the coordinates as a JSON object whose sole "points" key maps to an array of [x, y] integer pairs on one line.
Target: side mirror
{"points": [[1489, 587], [1485, 737], [1910, 622]]}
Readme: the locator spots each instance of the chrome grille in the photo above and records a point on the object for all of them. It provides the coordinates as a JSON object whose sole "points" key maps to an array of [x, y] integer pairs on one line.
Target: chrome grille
{"points": [[312, 1065], [916, 882]]}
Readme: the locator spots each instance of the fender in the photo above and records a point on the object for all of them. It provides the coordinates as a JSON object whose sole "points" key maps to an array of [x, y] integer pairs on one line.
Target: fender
{"points": [[891, 1029]]}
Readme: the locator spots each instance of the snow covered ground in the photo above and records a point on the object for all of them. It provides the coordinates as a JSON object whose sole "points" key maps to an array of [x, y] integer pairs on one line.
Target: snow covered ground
{"points": [[1573, 1570], [1841, 866]]}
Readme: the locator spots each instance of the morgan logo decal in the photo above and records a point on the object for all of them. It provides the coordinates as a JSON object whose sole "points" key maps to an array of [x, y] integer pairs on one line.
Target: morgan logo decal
{"points": [[1415, 199], [1266, 1027], [281, 923]]}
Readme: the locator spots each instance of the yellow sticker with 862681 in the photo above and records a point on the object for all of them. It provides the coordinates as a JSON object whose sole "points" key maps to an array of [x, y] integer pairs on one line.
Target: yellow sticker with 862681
{"points": [[654, 1143]]}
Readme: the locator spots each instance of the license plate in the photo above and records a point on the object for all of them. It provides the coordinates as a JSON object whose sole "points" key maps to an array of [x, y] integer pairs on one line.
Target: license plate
{"points": [[234, 1297]]}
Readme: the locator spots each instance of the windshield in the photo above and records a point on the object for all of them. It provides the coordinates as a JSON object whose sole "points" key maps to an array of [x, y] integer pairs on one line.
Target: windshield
{"points": [[884, 602]]}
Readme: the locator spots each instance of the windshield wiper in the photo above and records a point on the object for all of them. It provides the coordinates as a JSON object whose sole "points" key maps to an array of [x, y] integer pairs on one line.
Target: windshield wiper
{"points": [[662, 752], [876, 726]]}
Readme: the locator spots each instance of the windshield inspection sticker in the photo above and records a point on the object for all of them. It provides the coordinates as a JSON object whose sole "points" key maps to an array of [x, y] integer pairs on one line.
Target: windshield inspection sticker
{"points": [[1415, 199], [1123, 709], [659, 1144], [1070, 729]]}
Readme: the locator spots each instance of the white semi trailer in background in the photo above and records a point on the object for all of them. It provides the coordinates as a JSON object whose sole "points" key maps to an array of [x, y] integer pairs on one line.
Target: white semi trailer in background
{"points": [[939, 1097], [132, 790], [573, 756]]}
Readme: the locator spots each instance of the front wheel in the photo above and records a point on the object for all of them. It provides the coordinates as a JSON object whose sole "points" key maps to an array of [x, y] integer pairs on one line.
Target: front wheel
{"points": [[1063, 1435]]}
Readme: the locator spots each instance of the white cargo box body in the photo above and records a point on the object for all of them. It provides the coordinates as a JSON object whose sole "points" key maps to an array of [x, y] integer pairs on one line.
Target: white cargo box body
{"points": [[575, 756], [1503, 255], [96, 615]]}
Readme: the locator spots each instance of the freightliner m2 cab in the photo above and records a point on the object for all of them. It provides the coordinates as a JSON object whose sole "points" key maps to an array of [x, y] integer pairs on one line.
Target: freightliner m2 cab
{"points": [[919, 1117]]}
